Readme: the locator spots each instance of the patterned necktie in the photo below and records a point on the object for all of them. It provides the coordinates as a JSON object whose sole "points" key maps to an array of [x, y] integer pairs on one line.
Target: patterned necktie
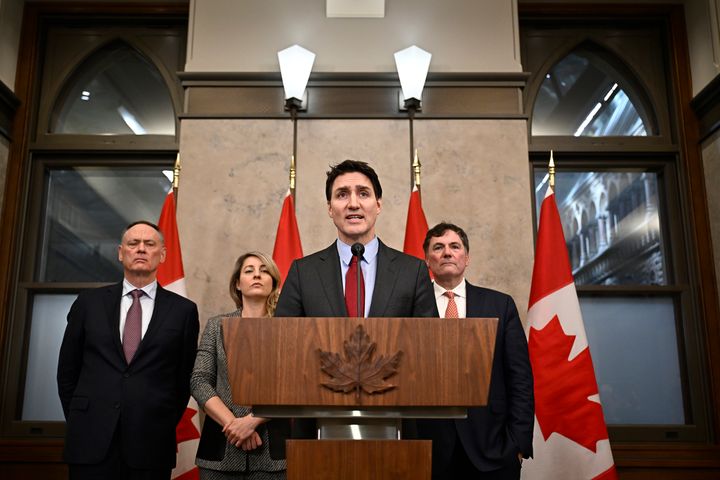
{"points": [[451, 311], [351, 302], [132, 332]]}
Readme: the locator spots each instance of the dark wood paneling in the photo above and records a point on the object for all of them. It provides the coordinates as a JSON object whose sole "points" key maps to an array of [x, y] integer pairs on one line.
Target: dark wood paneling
{"points": [[706, 105], [30, 459], [33, 471], [667, 474], [359, 459], [9, 103], [469, 101], [343, 95]]}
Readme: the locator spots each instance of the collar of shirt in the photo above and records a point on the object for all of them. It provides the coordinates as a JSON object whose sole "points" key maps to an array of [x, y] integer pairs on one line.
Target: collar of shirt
{"points": [[460, 298], [459, 291], [150, 289], [369, 256], [147, 302], [368, 265]]}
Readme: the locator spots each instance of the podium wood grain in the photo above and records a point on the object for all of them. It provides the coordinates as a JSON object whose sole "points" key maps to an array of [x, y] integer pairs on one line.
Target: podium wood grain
{"points": [[275, 361], [359, 459]]}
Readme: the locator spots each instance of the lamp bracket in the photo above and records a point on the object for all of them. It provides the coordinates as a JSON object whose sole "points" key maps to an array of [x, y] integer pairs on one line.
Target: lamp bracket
{"points": [[297, 104], [412, 103]]}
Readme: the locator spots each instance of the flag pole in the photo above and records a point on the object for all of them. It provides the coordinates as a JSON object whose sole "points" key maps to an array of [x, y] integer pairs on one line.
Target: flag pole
{"points": [[411, 115], [551, 171], [176, 178]]}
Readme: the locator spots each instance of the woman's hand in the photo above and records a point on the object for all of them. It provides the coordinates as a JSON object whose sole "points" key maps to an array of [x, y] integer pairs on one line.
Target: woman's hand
{"points": [[240, 429], [252, 442]]}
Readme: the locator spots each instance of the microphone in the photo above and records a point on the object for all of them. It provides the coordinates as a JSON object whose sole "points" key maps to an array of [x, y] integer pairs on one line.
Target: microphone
{"points": [[357, 250]]}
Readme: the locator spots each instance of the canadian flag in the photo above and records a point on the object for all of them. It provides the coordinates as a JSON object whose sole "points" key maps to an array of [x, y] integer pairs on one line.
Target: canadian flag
{"points": [[570, 438], [416, 226], [172, 277], [287, 239]]}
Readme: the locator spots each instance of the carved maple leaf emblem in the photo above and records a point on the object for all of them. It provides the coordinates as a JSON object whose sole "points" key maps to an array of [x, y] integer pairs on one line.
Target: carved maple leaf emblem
{"points": [[562, 387], [358, 371]]}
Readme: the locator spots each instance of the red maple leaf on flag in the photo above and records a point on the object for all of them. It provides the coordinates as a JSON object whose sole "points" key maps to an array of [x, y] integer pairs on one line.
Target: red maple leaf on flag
{"points": [[185, 429], [562, 387]]}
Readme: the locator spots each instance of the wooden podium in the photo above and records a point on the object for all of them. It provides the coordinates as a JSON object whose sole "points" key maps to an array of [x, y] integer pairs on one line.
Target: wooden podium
{"points": [[418, 367]]}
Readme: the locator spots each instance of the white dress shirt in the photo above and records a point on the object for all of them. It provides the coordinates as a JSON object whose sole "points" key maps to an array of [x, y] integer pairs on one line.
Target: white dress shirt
{"points": [[147, 303], [460, 299]]}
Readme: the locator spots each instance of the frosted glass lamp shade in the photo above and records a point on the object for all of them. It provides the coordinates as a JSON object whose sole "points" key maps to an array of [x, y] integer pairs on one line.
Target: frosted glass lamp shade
{"points": [[295, 66], [412, 66]]}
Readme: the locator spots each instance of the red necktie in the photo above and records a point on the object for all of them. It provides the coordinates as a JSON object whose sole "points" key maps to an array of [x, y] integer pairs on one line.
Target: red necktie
{"points": [[451, 311], [351, 302], [132, 332]]}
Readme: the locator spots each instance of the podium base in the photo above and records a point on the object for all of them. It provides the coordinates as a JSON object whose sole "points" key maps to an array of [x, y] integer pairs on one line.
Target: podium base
{"points": [[359, 459], [359, 428]]}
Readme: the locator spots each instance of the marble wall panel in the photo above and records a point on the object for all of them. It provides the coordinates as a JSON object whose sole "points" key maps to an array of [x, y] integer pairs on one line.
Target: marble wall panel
{"points": [[383, 144], [475, 173], [233, 180]]}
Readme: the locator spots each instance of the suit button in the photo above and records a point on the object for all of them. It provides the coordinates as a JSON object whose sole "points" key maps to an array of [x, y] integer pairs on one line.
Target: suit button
{"points": [[117, 405], [127, 375]]}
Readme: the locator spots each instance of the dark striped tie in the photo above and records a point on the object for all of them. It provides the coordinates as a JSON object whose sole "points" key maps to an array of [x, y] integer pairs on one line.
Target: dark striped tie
{"points": [[132, 332]]}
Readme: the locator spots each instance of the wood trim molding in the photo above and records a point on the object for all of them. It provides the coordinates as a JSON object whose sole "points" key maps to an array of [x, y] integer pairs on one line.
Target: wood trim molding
{"points": [[353, 95], [667, 456], [701, 256], [9, 104], [31, 450], [706, 106]]}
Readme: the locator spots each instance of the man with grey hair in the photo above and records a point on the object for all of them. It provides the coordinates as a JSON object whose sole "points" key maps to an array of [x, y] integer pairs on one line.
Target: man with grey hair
{"points": [[124, 368]]}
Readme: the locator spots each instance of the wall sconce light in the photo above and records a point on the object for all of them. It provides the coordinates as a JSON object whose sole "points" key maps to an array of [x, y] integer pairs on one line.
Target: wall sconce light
{"points": [[412, 67], [295, 66]]}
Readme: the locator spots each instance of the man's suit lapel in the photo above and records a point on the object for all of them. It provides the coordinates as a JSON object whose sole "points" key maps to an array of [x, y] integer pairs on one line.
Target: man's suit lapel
{"points": [[160, 314], [385, 277], [474, 305], [113, 294], [330, 275]]}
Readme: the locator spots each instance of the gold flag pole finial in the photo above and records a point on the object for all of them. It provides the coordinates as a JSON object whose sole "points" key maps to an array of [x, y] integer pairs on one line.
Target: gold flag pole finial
{"points": [[416, 166], [176, 178], [292, 174], [551, 171], [176, 172]]}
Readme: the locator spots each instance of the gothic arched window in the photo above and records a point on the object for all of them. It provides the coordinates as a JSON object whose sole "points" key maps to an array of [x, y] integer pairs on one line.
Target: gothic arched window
{"points": [[115, 91]]}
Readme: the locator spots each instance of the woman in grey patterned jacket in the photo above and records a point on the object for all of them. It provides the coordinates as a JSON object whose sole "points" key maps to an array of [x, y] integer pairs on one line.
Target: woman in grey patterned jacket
{"points": [[235, 444]]}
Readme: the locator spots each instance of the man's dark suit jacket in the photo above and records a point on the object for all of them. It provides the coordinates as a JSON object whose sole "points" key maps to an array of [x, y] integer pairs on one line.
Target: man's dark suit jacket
{"points": [[493, 435], [102, 394], [314, 287]]}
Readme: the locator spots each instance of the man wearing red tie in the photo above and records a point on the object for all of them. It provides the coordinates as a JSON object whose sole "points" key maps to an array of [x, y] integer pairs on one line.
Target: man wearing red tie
{"points": [[324, 284], [492, 441]]}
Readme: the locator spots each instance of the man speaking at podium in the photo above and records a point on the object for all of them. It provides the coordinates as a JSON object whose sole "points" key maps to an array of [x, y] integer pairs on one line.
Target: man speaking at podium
{"points": [[325, 284], [492, 441]]}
